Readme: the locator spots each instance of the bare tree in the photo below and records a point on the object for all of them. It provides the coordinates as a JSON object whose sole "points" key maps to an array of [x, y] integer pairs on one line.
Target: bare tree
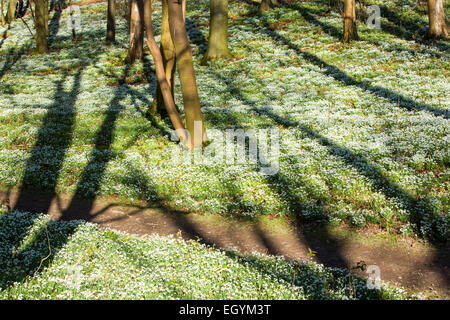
{"points": [[267, 5], [11, 13], [160, 73], [350, 32], [168, 58], [41, 25], [218, 30], [111, 22], [436, 16], [3, 15], [183, 52], [135, 50]]}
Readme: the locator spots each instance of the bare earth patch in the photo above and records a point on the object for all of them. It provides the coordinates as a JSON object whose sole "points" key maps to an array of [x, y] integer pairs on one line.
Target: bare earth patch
{"points": [[407, 262]]}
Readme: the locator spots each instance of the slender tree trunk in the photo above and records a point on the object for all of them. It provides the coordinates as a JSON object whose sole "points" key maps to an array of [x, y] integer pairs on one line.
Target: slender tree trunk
{"points": [[218, 30], [41, 10], [11, 13], [3, 15], [160, 74], [135, 51], [168, 58], [183, 51], [111, 22], [46, 4], [436, 16], [267, 5], [350, 32]]}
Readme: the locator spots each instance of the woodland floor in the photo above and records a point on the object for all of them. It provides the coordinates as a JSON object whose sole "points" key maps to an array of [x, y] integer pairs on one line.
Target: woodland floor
{"points": [[405, 262], [364, 135]]}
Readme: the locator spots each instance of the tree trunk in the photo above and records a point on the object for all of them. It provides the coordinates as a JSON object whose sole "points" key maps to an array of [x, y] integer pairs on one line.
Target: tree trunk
{"points": [[111, 22], [135, 51], [265, 5], [160, 74], [168, 59], [11, 13], [218, 30], [3, 15], [41, 10], [47, 32], [183, 52], [350, 32], [437, 25]]}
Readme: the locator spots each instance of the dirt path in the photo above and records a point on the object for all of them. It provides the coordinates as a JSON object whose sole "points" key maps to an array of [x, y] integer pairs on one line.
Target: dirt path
{"points": [[406, 262]]}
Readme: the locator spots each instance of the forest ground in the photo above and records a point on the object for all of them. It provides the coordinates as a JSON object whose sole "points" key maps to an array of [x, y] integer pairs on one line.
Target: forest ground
{"points": [[403, 261], [363, 151]]}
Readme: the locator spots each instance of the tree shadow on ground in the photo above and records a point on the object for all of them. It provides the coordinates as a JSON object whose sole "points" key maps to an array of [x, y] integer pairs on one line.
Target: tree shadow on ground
{"points": [[94, 171], [407, 28], [398, 26], [48, 153], [334, 72], [4, 35], [418, 208]]}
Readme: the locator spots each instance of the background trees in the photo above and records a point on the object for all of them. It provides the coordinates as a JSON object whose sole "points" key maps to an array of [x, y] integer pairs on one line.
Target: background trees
{"points": [[218, 29], [41, 25], [436, 16], [11, 13], [135, 50], [168, 60], [183, 52], [267, 5], [350, 32], [111, 22], [3, 22]]}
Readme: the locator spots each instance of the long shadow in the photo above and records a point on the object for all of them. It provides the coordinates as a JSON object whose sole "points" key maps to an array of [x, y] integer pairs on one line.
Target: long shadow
{"points": [[53, 26], [280, 184], [4, 35], [341, 76], [59, 143], [191, 231], [405, 28], [406, 32], [13, 55], [48, 153], [418, 209], [91, 178]]}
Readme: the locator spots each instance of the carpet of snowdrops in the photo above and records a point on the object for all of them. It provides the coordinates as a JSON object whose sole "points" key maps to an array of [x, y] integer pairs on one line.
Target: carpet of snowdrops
{"points": [[364, 128], [88, 262]]}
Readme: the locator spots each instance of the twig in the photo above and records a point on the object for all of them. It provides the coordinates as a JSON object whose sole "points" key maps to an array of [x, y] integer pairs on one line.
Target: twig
{"points": [[49, 252], [27, 26]]}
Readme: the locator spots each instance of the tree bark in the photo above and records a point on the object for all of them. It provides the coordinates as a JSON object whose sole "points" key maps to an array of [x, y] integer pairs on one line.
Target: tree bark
{"points": [[111, 22], [436, 16], [267, 5], [160, 74], [218, 31], [135, 50], [183, 52], [350, 32], [11, 13], [41, 10], [168, 59], [3, 15]]}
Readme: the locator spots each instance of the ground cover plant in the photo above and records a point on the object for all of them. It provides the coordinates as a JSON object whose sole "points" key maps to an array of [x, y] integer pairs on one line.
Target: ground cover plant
{"points": [[94, 263], [363, 142]]}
